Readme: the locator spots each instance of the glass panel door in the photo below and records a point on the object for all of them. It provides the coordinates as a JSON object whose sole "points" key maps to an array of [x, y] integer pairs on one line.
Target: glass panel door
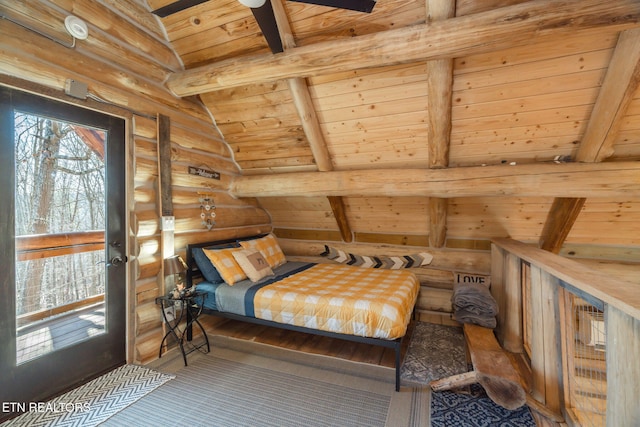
{"points": [[63, 246]]}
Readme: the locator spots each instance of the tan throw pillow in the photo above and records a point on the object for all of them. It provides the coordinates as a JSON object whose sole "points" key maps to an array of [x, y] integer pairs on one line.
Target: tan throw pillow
{"points": [[268, 247], [253, 264], [225, 263]]}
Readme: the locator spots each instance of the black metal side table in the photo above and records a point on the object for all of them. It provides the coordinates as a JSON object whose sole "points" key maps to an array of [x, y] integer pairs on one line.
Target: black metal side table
{"points": [[174, 311]]}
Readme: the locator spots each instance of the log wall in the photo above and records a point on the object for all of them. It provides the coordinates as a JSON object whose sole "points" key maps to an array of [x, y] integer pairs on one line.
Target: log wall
{"points": [[235, 218], [124, 71]]}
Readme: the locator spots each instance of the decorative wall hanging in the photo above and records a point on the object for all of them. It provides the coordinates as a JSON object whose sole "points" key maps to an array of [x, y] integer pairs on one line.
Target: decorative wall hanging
{"points": [[207, 211], [390, 262], [205, 173]]}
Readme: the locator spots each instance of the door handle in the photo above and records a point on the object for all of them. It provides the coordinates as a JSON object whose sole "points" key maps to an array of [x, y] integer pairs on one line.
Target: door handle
{"points": [[117, 260]]}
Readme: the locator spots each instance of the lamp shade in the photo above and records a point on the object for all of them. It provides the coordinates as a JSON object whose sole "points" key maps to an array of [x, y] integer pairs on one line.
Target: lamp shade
{"points": [[174, 265], [252, 3]]}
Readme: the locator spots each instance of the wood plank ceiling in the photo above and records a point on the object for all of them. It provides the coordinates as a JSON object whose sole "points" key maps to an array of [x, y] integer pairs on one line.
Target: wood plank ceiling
{"points": [[435, 84]]}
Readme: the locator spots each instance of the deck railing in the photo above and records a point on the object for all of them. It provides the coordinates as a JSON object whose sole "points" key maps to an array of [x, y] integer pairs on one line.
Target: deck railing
{"points": [[579, 328], [60, 289], [36, 316], [71, 271]]}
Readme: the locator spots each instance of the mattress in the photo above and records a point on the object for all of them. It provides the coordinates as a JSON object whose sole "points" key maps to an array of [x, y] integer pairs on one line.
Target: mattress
{"points": [[339, 298]]}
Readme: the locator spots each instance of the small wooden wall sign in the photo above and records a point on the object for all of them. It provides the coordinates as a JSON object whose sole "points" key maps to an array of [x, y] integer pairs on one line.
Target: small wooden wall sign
{"points": [[204, 172], [473, 278]]}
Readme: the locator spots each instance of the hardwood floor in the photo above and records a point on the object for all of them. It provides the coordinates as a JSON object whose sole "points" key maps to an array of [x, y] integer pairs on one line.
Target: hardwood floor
{"points": [[300, 341]]}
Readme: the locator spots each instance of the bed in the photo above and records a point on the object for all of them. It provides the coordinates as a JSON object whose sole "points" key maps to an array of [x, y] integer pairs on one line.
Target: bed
{"points": [[251, 280]]}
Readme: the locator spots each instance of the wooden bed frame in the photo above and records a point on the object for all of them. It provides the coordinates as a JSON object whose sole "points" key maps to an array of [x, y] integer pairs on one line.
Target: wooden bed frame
{"points": [[193, 272]]}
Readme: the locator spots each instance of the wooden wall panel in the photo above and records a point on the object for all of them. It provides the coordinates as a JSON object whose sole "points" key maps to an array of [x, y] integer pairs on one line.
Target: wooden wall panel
{"points": [[387, 215], [469, 218], [203, 139], [270, 135], [363, 121], [607, 222], [300, 212], [229, 23], [484, 218], [402, 215], [188, 143], [505, 109], [138, 11], [215, 234], [553, 47], [627, 144], [226, 217], [315, 23]]}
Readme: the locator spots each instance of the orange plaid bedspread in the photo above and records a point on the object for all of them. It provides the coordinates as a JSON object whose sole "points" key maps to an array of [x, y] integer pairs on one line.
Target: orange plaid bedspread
{"points": [[341, 298]]}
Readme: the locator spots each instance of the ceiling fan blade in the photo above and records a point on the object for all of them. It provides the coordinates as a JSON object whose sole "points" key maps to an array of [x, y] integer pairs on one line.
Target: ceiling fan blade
{"points": [[357, 5], [268, 25], [176, 7]]}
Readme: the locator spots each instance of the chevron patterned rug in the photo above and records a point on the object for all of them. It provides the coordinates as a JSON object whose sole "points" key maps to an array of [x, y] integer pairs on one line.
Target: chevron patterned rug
{"points": [[95, 401]]}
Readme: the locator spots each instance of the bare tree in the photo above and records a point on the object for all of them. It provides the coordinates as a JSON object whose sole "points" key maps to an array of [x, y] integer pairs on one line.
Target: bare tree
{"points": [[59, 188]]}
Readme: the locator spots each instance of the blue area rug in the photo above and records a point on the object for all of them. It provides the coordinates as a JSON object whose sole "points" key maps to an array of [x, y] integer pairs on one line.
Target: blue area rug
{"points": [[438, 351], [475, 409]]}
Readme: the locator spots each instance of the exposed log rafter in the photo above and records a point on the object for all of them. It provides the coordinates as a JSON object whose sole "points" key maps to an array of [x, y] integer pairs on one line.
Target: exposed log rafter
{"points": [[620, 84], [487, 31], [438, 41], [607, 179], [440, 81], [310, 124], [616, 93]]}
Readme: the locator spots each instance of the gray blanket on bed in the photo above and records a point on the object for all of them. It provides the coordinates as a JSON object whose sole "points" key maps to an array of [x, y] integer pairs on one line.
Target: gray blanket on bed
{"points": [[474, 303]]}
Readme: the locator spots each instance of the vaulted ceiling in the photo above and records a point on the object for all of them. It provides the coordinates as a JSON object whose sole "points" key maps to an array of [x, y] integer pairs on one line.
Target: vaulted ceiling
{"points": [[464, 89]]}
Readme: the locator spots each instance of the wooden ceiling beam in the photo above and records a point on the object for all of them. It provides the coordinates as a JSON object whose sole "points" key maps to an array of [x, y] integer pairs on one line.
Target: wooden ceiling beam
{"points": [[482, 32], [440, 87], [618, 89], [616, 93], [562, 216], [302, 98], [608, 179], [310, 123]]}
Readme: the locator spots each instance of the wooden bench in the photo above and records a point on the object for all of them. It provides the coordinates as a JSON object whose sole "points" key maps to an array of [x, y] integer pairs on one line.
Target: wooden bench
{"points": [[494, 371]]}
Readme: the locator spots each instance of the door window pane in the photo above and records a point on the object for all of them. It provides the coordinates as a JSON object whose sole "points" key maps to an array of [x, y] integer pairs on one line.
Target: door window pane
{"points": [[59, 223]]}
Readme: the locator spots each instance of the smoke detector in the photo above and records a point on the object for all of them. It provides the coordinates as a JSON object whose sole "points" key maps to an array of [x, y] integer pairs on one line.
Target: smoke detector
{"points": [[76, 27]]}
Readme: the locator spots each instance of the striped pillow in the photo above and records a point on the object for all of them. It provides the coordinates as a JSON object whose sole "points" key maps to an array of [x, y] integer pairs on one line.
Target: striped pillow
{"points": [[226, 264], [268, 247]]}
